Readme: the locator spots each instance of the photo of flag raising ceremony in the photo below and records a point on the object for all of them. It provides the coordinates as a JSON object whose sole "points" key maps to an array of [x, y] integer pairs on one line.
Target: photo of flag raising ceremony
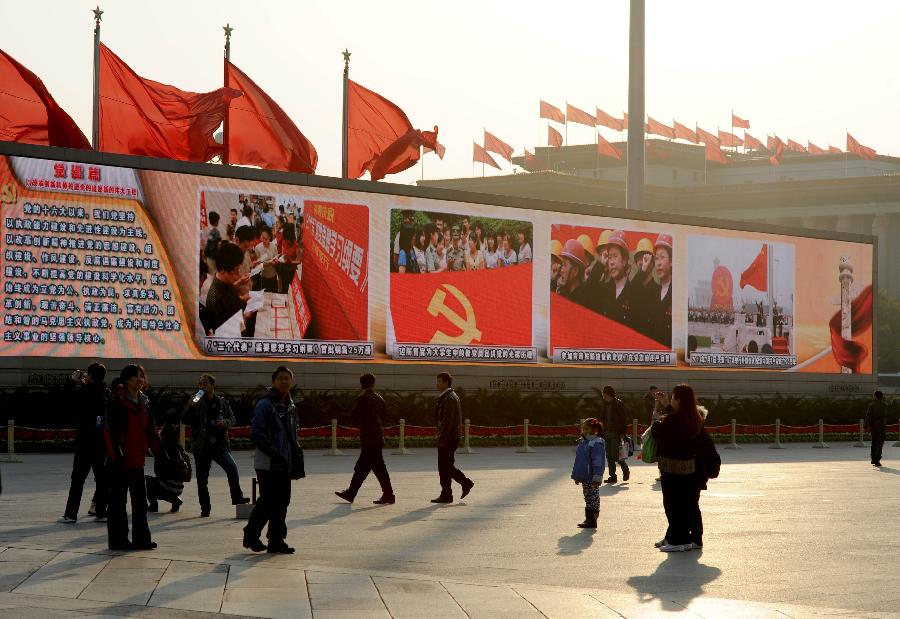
{"points": [[401, 309]]}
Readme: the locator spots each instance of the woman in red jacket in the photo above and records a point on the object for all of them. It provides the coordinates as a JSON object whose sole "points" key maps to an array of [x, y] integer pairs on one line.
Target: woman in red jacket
{"points": [[130, 431]]}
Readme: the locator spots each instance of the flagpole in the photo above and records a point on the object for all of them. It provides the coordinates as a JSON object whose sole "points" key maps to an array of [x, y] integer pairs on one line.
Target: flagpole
{"points": [[567, 124], [422, 161], [346, 117], [225, 132], [95, 119]]}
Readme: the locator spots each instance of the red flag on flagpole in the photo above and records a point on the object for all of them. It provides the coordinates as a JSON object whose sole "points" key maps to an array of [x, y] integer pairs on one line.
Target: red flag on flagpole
{"points": [[260, 133], [706, 137], [495, 145], [654, 127], [605, 120], [756, 274], [795, 146], [751, 142], [139, 116], [438, 149], [574, 115], [551, 112], [855, 148], [835, 149], [685, 133], [715, 154], [737, 121], [532, 163], [379, 130], [814, 150], [772, 141], [28, 112], [554, 137], [775, 159], [606, 149], [729, 139], [479, 155]]}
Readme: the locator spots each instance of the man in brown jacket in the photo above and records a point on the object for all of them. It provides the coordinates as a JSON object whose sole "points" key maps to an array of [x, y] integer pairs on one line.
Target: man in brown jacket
{"points": [[448, 414]]}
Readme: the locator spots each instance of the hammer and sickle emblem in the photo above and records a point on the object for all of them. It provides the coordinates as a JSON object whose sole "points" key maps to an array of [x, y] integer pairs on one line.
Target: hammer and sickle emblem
{"points": [[8, 193], [469, 331], [722, 286]]}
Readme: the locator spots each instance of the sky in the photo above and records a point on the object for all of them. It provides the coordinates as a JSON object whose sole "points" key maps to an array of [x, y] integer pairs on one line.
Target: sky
{"points": [[808, 71]]}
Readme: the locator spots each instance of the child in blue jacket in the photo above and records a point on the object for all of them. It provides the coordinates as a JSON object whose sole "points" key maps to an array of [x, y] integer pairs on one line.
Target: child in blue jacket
{"points": [[590, 462]]}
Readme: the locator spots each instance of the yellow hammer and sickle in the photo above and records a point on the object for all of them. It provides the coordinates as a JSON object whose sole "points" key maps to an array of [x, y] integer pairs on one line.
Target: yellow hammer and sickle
{"points": [[469, 331], [722, 286], [8, 193]]}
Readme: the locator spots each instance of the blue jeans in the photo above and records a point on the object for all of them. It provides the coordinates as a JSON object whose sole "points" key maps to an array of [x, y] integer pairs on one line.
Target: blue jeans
{"points": [[203, 461]]}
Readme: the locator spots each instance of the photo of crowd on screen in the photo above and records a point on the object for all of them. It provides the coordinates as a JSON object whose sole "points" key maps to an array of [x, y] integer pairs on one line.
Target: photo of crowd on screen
{"points": [[424, 242], [625, 276], [255, 246]]}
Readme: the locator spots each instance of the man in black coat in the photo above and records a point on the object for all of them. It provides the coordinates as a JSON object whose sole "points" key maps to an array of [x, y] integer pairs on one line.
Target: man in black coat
{"points": [[89, 396], [448, 415], [615, 424], [368, 414], [876, 420]]}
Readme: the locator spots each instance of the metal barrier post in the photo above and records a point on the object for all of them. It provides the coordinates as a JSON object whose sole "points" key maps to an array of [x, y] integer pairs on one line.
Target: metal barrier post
{"points": [[897, 444], [334, 451], [401, 446], [466, 448], [11, 442], [860, 442], [777, 444], [733, 443], [634, 434], [525, 449], [821, 444]]}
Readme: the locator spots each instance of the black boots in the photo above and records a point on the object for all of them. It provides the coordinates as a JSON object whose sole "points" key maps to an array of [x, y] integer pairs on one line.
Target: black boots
{"points": [[590, 519]]}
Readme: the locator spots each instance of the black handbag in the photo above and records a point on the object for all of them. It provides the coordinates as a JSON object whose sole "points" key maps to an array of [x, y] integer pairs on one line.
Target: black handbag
{"points": [[298, 470]]}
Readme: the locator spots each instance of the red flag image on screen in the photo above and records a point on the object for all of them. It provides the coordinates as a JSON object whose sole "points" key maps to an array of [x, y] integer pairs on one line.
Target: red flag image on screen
{"points": [[260, 133], [835, 150], [554, 137], [606, 149], [141, 117], [379, 129], [751, 142], [776, 157], [737, 121], [461, 307], [575, 326], [551, 112], [729, 139], [495, 145], [28, 112], [855, 148], [715, 154], [757, 274], [814, 150], [685, 133], [795, 146], [479, 155], [575, 115], [605, 120], [706, 137], [850, 353], [654, 127]]}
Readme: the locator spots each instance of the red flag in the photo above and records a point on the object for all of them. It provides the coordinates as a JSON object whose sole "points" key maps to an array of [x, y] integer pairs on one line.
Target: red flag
{"points": [[652, 153], [850, 353], [729, 139], [605, 120], [574, 326], [260, 133], [715, 154], [756, 274], [574, 115], [28, 112], [495, 145], [685, 133], [706, 137], [775, 159], [438, 149], [607, 149], [551, 112], [772, 141], [141, 117], [835, 149], [751, 142], [815, 150], [795, 146], [532, 163], [737, 121], [863, 152], [554, 137], [373, 125], [654, 127], [479, 155]]}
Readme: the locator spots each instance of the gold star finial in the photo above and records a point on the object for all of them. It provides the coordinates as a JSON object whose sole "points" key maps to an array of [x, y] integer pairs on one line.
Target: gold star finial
{"points": [[98, 15], [228, 30], [346, 54]]}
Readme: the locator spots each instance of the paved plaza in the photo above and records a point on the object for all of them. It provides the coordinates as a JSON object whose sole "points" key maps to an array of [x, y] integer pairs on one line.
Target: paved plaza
{"points": [[798, 532]]}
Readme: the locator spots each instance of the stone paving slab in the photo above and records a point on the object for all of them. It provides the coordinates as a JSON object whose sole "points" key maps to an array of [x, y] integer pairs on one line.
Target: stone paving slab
{"points": [[557, 605], [417, 598], [66, 575], [191, 586], [491, 602]]}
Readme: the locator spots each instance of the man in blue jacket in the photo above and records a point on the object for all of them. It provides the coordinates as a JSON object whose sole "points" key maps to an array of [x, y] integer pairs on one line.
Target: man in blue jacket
{"points": [[273, 429]]}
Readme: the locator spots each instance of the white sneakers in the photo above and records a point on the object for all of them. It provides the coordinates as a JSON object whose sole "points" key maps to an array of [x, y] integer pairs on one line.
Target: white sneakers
{"points": [[662, 542], [66, 520], [665, 546]]}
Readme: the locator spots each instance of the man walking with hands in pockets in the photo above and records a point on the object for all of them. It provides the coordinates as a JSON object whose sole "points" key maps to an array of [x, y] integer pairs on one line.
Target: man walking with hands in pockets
{"points": [[448, 414]]}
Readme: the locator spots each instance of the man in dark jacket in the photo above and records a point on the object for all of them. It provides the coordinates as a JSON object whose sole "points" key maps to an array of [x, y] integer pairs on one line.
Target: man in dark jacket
{"points": [[89, 395], [616, 424], [272, 430], [448, 415], [211, 418], [368, 414], [876, 420]]}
